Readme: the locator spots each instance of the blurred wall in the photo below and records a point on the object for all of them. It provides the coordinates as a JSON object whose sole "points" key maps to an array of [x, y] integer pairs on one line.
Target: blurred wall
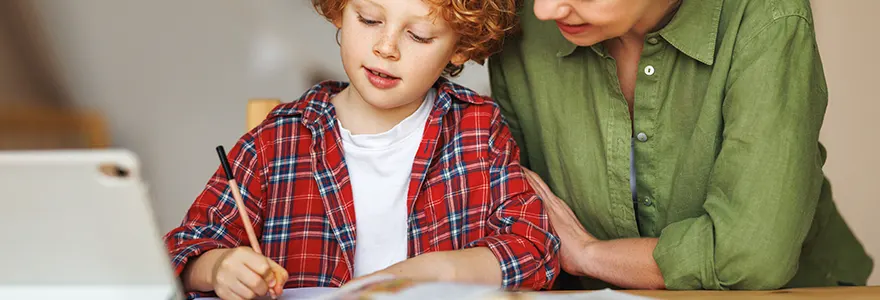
{"points": [[174, 76], [27, 70], [848, 40], [12, 86]]}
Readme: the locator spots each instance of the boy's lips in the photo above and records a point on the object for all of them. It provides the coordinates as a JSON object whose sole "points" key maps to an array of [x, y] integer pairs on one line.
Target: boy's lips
{"points": [[381, 73], [381, 79]]}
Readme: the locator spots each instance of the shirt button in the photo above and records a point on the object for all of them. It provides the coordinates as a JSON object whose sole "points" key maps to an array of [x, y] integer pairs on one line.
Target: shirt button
{"points": [[642, 137], [649, 70], [653, 41], [647, 201]]}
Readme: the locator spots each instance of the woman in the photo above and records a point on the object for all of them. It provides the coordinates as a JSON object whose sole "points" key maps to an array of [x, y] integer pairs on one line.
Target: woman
{"points": [[679, 142]]}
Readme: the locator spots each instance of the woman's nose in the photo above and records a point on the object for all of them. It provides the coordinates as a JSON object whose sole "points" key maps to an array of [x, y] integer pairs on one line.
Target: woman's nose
{"points": [[551, 9]]}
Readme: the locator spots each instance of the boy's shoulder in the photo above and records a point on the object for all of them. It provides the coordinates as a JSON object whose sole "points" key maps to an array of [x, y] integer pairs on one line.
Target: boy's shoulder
{"points": [[313, 106], [466, 101], [315, 100], [461, 93], [294, 118]]}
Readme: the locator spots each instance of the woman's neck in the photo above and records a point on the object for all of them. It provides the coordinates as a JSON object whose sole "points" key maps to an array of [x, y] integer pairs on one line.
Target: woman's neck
{"points": [[658, 15]]}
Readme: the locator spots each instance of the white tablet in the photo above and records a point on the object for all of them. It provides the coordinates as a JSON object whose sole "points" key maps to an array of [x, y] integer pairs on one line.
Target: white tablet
{"points": [[78, 224]]}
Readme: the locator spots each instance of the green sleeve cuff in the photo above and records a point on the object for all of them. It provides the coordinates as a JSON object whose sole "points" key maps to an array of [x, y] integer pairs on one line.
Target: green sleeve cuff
{"points": [[685, 255]]}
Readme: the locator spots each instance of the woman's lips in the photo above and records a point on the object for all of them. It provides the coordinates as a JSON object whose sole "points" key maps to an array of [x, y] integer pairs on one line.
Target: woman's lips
{"points": [[572, 29]]}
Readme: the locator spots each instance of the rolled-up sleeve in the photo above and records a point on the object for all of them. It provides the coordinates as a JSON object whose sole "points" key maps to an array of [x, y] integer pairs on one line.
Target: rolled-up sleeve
{"points": [[212, 221], [520, 237], [767, 178]]}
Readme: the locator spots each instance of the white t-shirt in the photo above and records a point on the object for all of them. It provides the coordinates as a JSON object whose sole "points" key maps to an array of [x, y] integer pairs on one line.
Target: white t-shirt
{"points": [[380, 166]]}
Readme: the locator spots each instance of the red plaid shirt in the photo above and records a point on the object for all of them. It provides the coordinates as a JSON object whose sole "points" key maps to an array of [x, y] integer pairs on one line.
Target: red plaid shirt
{"points": [[467, 189]]}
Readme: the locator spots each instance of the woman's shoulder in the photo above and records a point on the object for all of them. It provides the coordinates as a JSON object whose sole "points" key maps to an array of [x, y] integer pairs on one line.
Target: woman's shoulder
{"points": [[755, 15], [772, 9]]}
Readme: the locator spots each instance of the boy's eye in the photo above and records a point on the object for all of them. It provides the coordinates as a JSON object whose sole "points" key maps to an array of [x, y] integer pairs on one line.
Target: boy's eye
{"points": [[419, 39], [366, 21]]}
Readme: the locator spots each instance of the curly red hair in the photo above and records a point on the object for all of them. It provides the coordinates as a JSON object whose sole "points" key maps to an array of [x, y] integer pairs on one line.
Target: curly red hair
{"points": [[482, 24]]}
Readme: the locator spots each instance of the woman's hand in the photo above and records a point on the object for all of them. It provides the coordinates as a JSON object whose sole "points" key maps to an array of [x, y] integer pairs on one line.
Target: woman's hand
{"points": [[573, 236], [627, 263]]}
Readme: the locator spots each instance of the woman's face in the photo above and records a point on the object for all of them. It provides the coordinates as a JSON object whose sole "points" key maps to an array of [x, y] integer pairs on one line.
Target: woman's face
{"points": [[587, 22]]}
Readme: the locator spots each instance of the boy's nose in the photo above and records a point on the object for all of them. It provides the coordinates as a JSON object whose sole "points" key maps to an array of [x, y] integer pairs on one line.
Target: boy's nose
{"points": [[386, 47], [551, 9]]}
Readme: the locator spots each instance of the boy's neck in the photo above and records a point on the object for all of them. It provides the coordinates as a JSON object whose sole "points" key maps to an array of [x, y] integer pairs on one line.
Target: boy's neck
{"points": [[359, 117]]}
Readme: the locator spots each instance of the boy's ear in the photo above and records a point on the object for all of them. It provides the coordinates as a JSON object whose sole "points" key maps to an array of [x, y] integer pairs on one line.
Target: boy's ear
{"points": [[458, 59]]}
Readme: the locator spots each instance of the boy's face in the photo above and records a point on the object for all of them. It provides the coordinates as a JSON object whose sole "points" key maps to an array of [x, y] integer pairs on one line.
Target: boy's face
{"points": [[392, 51]]}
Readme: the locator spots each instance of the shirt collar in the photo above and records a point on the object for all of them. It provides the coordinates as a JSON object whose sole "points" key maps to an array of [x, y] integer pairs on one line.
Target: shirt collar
{"points": [[314, 105], [693, 31]]}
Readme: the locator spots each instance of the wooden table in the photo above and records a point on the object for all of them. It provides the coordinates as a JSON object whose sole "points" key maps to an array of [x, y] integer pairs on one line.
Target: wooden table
{"points": [[868, 292]]}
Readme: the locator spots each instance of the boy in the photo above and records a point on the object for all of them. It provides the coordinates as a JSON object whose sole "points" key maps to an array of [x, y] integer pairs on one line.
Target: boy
{"points": [[399, 172]]}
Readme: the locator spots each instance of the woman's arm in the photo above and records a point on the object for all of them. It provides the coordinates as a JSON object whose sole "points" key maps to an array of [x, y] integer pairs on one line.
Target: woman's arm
{"points": [[763, 189], [767, 178], [627, 263]]}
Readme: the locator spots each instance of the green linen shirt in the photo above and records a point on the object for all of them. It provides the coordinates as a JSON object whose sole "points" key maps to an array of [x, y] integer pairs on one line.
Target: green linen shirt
{"points": [[729, 101]]}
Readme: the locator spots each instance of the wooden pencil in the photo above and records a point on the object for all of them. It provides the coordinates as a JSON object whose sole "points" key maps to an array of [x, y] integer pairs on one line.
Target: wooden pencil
{"points": [[239, 202]]}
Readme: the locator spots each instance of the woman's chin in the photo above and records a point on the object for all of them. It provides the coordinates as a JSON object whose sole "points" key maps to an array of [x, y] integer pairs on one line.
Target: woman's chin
{"points": [[584, 39]]}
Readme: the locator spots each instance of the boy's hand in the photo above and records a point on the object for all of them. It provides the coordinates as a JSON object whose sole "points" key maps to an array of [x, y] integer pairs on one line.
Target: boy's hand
{"points": [[473, 265], [241, 273]]}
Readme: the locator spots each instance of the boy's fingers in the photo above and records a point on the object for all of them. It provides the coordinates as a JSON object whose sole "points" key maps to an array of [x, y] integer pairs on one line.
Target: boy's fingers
{"points": [[253, 281], [270, 278], [258, 263], [242, 291], [227, 294], [281, 276]]}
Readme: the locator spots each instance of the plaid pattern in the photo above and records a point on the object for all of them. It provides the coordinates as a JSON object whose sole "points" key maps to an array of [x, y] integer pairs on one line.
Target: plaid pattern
{"points": [[466, 190]]}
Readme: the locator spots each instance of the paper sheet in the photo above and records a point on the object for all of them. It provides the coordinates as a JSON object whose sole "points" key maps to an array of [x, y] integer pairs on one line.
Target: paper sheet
{"points": [[298, 293], [606, 294], [389, 288]]}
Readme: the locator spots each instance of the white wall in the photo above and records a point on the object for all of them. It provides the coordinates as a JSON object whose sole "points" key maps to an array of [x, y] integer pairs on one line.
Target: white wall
{"points": [[848, 40], [174, 76]]}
